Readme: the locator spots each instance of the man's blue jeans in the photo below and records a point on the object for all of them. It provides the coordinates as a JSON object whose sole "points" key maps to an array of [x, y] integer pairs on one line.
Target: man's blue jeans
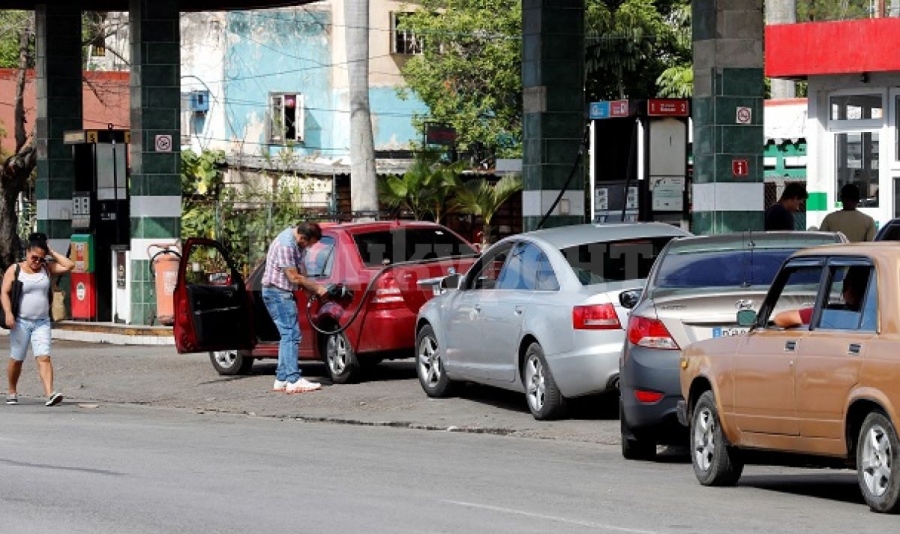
{"points": [[283, 309]]}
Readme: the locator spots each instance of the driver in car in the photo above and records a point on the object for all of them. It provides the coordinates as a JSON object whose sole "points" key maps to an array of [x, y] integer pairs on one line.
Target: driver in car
{"points": [[852, 292]]}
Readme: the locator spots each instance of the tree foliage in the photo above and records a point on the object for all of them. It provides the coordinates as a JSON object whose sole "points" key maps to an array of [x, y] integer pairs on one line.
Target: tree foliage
{"points": [[425, 190], [243, 218], [469, 72], [481, 197], [631, 43], [823, 10]]}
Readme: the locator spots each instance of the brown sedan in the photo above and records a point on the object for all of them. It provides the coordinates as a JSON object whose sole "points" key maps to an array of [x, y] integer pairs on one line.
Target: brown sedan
{"points": [[816, 381]]}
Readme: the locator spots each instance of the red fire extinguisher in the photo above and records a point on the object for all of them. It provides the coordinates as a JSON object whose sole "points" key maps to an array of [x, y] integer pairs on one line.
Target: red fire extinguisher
{"points": [[164, 269]]}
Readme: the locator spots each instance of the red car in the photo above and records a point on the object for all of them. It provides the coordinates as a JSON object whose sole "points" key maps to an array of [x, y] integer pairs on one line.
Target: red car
{"points": [[381, 264]]}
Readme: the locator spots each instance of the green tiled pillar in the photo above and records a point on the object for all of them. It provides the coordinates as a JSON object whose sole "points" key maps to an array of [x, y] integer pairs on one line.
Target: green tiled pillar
{"points": [[59, 108], [553, 106], [155, 142], [728, 116]]}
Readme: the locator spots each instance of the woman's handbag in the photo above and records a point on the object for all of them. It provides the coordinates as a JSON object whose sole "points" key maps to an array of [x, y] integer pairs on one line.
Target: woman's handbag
{"points": [[15, 297]]}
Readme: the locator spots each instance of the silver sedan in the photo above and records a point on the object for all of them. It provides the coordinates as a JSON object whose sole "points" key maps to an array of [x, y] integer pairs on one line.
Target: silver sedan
{"points": [[539, 313]]}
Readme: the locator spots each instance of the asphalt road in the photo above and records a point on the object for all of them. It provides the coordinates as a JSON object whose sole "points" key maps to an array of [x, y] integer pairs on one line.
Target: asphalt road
{"points": [[151, 441], [158, 376]]}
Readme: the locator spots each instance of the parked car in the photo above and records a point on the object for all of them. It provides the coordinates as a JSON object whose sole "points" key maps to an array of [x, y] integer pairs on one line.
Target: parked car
{"points": [[696, 286], [380, 262], [823, 393], [889, 232], [539, 313]]}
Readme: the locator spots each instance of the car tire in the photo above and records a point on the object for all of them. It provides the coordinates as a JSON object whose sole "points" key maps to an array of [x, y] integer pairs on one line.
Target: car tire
{"points": [[634, 449], [231, 362], [544, 398], [340, 359], [715, 462], [878, 463], [430, 365]]}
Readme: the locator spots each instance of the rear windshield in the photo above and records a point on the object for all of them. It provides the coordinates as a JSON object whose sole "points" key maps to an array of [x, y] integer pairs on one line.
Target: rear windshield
{"points": [[738, 269], [614, 261], [409, 244]]}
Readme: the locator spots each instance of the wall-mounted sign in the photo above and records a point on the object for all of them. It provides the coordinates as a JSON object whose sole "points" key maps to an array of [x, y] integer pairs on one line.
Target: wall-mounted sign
{"points": [[744, 115], [740, 167], [163, 143], [440, 134]]}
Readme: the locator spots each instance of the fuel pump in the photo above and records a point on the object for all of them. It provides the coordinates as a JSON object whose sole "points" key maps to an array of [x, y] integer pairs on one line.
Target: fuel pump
{"points": [[100, 216]]}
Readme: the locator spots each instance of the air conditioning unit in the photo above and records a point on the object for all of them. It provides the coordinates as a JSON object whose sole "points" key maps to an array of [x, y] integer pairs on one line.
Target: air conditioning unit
{"points": [[199, 101]]}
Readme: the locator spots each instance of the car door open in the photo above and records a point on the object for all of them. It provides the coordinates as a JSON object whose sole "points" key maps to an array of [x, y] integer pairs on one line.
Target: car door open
{"points": [[212, 307]]}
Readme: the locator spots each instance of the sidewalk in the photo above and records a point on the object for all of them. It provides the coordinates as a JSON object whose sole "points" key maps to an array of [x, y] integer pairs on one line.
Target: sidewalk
{"points": [[111, 333]]}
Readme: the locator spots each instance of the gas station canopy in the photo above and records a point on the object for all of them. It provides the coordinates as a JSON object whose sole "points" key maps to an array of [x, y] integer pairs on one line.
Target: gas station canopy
{"points": [[184, 5]]}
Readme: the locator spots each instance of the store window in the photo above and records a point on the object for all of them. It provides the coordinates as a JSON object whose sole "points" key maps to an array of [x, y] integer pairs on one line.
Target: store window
{"points": [[856, 107], [857, 163]]}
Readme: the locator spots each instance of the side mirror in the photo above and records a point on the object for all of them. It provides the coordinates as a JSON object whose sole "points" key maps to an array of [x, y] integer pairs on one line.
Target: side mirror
{"points": [[451, 282], [629, 298], [746, 318]]}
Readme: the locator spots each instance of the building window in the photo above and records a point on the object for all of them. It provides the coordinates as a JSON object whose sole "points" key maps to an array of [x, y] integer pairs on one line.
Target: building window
{"points": [[286, 118], [403, 41]]}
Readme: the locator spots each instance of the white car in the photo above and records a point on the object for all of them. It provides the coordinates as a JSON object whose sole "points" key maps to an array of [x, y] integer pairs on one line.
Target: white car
{"points": [[540, 312]]}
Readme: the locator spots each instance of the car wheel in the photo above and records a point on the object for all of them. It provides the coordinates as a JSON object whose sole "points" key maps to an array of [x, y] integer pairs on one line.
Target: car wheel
{"points": [[544, 399], [876, 456], [230, 362], [715, 463], [430, 365], [634, 449], [343, 367]]}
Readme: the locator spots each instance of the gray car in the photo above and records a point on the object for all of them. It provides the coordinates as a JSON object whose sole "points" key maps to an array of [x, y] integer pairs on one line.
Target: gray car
{"points": [[694, 292], [539, 313]]}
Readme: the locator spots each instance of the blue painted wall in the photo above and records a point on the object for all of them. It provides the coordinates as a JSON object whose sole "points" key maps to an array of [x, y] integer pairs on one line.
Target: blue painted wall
{"points": [[290, 51]]}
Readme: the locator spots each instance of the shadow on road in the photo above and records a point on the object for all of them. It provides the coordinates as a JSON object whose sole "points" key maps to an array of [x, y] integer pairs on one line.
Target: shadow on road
{"points": [[596, 407], [837, 486]]}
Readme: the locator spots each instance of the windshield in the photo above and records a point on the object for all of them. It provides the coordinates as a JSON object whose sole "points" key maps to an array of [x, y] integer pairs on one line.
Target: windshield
{"points": [[409, 244], [614, 261]]}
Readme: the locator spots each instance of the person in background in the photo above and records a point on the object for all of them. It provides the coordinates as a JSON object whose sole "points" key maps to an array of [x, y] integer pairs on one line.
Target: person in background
{"points": [[33, 322], [780, 215], [852, 292], [285, 273], [855, 225]]}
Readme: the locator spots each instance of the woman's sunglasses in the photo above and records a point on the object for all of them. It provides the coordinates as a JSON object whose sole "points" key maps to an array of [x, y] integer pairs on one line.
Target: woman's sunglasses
{"points": [[39, 259]]}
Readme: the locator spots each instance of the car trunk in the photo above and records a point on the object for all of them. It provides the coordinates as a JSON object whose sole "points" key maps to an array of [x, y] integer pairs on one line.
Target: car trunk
{"points": [[400, 283], [696, 317]]}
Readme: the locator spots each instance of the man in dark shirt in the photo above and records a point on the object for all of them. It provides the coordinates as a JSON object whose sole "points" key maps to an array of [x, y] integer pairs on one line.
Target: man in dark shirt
{"points": [[780, 215]]}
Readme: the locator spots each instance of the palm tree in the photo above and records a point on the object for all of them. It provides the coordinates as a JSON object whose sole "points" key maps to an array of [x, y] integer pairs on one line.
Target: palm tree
{"points": [[425, 189], [480, 197]]}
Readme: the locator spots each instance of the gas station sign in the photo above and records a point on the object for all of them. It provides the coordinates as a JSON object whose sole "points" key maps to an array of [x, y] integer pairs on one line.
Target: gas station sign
{"points": [[740, 167]]}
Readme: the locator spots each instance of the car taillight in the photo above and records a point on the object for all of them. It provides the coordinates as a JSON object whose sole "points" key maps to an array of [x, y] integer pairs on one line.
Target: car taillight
{"points": [[651, 333], [595, 317], [647, 397], [387, 294]]}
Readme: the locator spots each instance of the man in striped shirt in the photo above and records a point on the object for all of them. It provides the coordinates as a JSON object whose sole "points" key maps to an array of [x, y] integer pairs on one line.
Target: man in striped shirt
{"points": [[284, 275]]}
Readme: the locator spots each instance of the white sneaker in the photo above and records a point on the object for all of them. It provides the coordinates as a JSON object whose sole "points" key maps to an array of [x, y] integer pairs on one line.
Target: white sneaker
{"points": [[301, 386], [279, 385]]}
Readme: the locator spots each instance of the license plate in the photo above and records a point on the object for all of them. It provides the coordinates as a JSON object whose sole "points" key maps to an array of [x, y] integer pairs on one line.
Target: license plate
{"points": [[720, 331]]}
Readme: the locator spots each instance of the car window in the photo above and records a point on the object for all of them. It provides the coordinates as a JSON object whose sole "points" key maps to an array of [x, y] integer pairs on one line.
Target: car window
{"points": [[485, 273], [845, 302], [207, 266], [318, 258], [528, 269], [597, 263], [799, 292], [398, 245], [744, 268]]}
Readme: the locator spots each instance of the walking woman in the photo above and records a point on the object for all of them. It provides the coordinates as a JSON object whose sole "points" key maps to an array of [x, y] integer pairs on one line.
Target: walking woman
{"points": [[33, 321]]}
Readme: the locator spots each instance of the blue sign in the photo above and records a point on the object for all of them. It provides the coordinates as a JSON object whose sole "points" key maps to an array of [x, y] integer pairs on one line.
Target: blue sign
{"points": [[599, 110]]}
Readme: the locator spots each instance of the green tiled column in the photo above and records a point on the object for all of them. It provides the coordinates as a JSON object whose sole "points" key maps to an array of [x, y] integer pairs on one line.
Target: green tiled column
{"points": [[728, 77], [59, 108], [155, 142], [553, 106]]}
